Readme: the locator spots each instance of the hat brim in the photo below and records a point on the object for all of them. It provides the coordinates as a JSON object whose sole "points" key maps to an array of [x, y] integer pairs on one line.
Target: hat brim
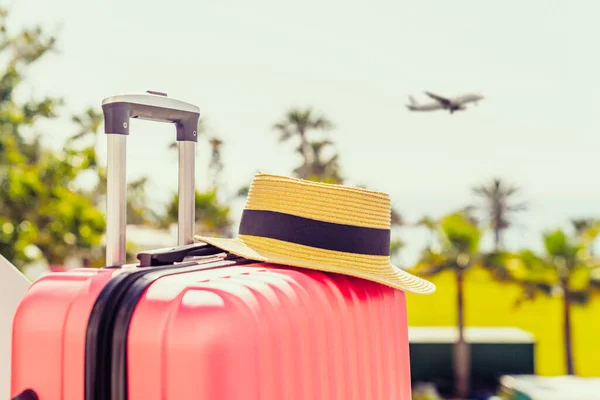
{"points": [[388, 275]]}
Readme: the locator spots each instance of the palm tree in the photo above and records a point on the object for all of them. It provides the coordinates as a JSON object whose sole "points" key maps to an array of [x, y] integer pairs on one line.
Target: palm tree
{"points": [[216, 164], [566, 258], [320, 169], [497, 198], [459, 242], [396, 218], [211, 216], [242, 192], [297, 123], [595, 277], [587, 229], [581, 225]]}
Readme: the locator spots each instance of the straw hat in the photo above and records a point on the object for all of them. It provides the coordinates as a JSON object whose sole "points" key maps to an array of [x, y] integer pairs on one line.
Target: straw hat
{"points": [[331, 228]]}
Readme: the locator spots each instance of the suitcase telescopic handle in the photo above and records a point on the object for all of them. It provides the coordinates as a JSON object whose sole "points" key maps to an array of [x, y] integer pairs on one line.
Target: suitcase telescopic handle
{"points": [[152, 106]]}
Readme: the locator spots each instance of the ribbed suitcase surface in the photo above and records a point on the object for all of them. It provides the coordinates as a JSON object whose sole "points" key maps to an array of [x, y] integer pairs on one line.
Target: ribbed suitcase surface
{"points": [[212, 331], [266, 332], [49, 333]]}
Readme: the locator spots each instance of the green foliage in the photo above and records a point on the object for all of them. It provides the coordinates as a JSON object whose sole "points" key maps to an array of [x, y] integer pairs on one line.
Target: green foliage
{"points": [[44, 211], [458, 238], [561, 248], [458, 242], [565, 266], [319, 168], [88, 124], [41, 213], [138, 211], [68, 224], [212, 217], [20, 51], [460, 234], [564, 270]]}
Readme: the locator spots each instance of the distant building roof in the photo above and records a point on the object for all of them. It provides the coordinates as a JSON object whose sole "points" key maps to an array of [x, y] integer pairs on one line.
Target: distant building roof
{"points": [[449, 334]]}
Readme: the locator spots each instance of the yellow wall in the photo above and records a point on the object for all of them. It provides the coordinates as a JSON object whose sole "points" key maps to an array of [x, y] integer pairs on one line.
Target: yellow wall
{"points": [[490, 303]]}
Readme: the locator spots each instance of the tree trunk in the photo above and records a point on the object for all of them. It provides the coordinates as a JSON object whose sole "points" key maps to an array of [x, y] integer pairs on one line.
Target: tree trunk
{"points": [[567, 328], [304, 170], [462, 364], [497, 238]]}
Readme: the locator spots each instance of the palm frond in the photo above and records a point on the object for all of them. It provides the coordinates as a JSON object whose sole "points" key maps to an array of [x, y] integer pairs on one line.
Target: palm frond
{"points": [[396, 218], [518, 207]]}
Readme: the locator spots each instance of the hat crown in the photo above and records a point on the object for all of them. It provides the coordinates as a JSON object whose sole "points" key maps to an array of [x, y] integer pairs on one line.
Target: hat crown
{"points": [[325, 227], [331, 203]]}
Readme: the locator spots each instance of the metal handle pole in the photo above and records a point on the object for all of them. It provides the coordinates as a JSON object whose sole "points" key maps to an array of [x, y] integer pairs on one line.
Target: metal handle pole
{"points": [[187, 193], [153, 106], [116, 200]]}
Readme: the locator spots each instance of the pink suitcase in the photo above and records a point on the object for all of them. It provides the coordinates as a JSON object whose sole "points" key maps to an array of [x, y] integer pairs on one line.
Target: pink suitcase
{"points": [[194, 322]]}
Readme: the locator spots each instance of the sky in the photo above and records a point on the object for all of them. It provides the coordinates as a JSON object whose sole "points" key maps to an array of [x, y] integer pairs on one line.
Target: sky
{"points": [[246, 63]]}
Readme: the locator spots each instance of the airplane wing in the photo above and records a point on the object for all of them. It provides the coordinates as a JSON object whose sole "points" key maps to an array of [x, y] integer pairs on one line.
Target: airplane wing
{"points": [[441, 99]]}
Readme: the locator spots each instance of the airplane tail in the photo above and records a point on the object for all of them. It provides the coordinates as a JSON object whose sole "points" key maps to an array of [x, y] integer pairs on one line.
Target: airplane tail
{"points": [[412, 101]]}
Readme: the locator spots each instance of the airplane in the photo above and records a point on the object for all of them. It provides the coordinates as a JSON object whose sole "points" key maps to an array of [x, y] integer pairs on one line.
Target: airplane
{"points": [[451, 104]]}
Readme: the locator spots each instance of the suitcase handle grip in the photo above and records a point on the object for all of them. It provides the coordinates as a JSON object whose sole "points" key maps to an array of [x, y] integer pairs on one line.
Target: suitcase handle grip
{"points": [[172, 255], [152, 106]]}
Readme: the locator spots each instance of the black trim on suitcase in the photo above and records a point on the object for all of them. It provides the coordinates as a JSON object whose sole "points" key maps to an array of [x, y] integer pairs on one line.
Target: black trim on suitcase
{"points": [[119, 379], [100, 328], [102, 317], [27, 394], [112, 313]]}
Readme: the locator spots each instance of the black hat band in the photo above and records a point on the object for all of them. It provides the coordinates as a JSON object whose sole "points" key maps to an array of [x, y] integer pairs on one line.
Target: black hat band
{"points": [[313, 233]]}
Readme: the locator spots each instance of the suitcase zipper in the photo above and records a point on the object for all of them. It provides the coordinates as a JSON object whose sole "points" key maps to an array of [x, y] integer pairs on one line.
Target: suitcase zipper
{"points": [[99, 333], [106, 335]]}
